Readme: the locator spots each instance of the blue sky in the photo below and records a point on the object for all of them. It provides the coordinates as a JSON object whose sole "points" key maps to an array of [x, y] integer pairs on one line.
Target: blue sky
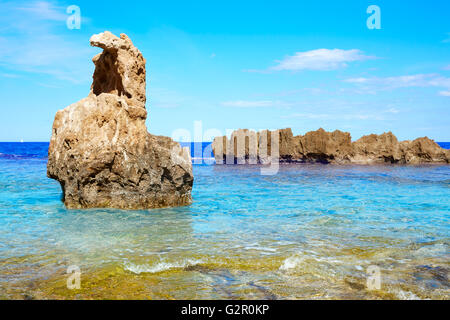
{"points": [[229, 64]]}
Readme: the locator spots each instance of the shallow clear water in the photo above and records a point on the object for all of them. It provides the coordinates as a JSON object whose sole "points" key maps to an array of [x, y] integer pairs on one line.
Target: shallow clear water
{"points": [[310, 231]]}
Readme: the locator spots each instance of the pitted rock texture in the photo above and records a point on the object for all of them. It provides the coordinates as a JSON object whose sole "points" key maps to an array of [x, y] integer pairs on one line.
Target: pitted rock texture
{"points": [[245, 146], [100, 150]]}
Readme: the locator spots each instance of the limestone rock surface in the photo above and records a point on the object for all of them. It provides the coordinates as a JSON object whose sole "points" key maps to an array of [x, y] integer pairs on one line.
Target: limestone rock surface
{"points": [[100, 150], [246, 146]]}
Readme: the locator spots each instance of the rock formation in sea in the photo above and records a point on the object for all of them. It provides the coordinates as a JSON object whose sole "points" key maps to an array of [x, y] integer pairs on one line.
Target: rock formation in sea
{"points": [[245, 146], [100, 150]]}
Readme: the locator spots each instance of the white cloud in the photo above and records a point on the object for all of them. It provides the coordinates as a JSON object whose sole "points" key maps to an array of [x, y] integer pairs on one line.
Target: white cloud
{"points": [[45, 10], [34, 40], [392, 110], [320, 59], [9, 75], [253, 104], [407, 81], [447, 67], [440, 81], [309, 116], [334, 116], [418, 80], [445, 93]]}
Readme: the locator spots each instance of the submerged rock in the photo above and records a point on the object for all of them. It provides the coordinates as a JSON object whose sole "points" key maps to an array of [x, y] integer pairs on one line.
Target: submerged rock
{"points": [[100, 150], [245, 146]]}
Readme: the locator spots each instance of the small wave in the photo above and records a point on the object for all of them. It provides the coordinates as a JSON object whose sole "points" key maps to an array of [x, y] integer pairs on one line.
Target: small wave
{"points": [[438, 249], [260, 248], [21, 156], [6, 155], [161, 266], [320, 266], [291, 263], [405, 295]]}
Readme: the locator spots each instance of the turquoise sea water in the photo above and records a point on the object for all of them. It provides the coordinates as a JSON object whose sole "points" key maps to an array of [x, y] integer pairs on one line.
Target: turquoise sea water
{"points": [[310, 231]]}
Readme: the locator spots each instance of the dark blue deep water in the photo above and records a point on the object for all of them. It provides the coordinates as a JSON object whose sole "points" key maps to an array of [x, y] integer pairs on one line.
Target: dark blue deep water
{"points": [[38, 150], [445, 145]]}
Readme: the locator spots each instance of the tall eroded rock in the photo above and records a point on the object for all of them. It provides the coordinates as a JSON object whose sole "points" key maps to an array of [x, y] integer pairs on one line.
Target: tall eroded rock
{"points": [[100, 150]]}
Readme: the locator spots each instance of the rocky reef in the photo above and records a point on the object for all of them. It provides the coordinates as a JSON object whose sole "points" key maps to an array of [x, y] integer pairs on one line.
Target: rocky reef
{"points": [[100, 150], [245, 146]]}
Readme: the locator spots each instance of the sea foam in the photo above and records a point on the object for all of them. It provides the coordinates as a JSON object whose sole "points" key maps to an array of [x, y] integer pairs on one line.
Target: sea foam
{"points": [[160, 266]]}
